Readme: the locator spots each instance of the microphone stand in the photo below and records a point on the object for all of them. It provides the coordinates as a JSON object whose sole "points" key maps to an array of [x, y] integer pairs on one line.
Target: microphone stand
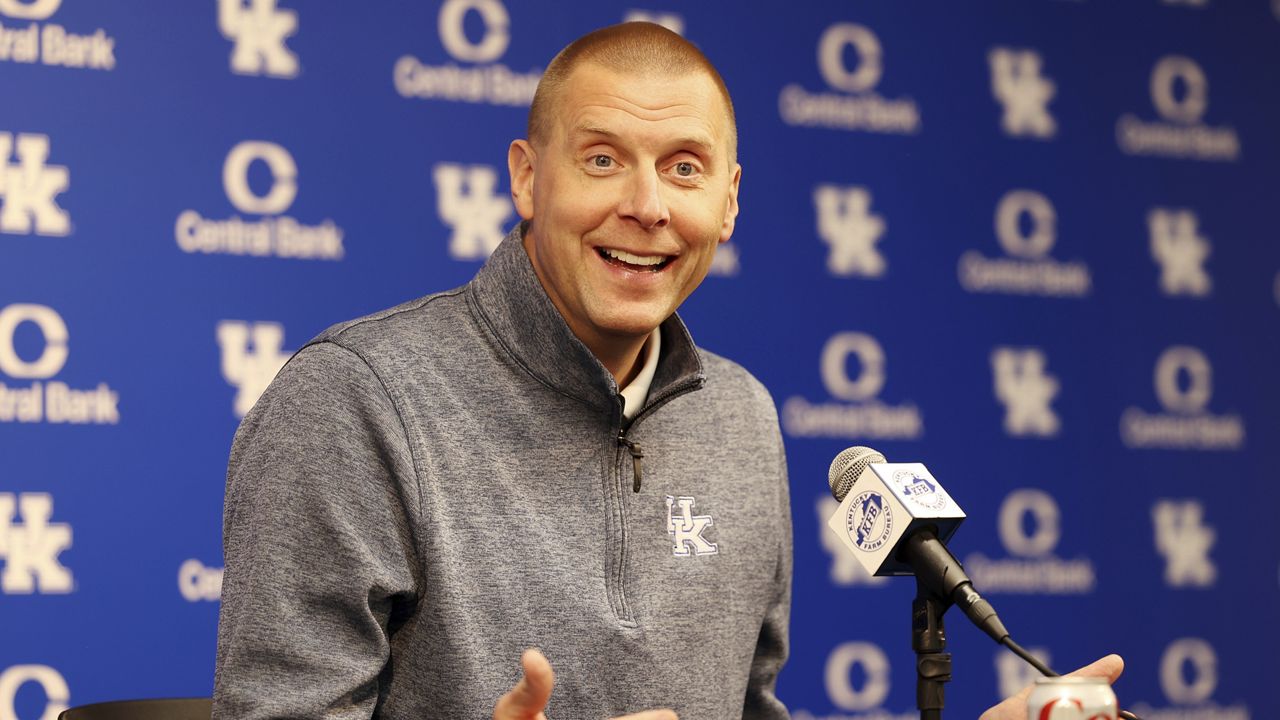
{"points": [[929, 640]]}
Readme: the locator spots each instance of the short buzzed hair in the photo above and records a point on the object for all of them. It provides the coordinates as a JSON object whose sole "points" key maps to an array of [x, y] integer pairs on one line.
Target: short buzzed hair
{"points": [[632, 47]]}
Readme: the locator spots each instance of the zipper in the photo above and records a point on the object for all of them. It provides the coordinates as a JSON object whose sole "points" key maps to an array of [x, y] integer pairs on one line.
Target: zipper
{"points": [[617, 590]]}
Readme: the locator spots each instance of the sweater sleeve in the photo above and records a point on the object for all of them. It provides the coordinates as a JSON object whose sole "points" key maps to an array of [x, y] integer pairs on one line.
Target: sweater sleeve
{"points": [[772, 645], [318, 540]]}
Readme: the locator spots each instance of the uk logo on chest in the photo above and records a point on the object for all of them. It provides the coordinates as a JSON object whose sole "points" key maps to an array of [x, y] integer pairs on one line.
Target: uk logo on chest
{"points": [[686, 529]]}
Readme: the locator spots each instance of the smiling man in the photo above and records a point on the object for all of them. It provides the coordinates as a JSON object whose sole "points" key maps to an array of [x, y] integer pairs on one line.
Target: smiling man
{"points": [[539, 459]]}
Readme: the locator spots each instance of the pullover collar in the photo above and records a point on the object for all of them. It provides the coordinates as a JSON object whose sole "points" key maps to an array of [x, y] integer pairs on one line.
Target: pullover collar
{"points": [[511, 301]]}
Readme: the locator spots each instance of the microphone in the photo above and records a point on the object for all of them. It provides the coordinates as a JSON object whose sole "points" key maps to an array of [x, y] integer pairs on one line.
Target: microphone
{"points": [[895, 519]]}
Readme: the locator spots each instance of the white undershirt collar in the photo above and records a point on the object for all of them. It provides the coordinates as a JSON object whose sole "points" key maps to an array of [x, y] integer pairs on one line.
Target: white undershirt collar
{"points": [[637, 391]]}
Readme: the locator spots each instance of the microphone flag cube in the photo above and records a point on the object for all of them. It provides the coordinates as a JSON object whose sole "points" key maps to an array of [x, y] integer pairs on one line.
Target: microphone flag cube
{"points": [[887, 503]]}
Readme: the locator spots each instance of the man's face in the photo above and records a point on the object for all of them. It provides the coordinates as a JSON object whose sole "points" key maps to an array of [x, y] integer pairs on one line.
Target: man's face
{"points": [[629, 195]]}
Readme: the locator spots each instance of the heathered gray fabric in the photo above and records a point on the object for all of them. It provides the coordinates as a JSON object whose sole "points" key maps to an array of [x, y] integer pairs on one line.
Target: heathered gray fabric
{"points": [[422, 494]]}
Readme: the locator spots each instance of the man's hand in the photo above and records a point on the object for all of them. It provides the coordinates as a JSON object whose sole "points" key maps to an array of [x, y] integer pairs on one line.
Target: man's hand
{"points": [[1015, 707], [528, 699]]}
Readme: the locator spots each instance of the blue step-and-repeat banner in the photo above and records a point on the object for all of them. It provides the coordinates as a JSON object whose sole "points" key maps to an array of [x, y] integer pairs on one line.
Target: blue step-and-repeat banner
{"points": [[1030, 243]]}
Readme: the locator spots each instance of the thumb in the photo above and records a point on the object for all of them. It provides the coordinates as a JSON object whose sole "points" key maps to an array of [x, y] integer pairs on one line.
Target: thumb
{"points": [[528, 699], [1108, 667]]}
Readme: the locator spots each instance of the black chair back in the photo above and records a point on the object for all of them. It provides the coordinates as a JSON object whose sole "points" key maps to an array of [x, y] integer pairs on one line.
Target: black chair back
{"points": [[160, 709]]}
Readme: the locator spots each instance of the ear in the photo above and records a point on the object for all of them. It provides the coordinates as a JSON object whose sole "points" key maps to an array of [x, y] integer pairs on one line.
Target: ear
{"points": [[520, 162], [731, 209]]}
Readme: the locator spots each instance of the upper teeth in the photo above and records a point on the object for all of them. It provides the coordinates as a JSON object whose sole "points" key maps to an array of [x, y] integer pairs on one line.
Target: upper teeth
{"points": [[626, 257]]}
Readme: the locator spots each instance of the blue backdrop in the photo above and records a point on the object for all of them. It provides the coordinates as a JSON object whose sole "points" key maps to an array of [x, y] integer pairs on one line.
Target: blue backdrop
{"points": [[1030, 243]]}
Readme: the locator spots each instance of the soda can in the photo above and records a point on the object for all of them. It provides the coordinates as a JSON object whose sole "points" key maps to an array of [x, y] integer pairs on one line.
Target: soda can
{"points": [[1072, 698]]}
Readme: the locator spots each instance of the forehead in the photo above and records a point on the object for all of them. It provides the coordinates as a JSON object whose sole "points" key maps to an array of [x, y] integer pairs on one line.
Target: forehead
{"points": [[597, 97]]}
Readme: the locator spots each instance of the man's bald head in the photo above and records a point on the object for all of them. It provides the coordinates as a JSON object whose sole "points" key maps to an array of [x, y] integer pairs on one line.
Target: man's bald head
{"points": [[639, 48]]}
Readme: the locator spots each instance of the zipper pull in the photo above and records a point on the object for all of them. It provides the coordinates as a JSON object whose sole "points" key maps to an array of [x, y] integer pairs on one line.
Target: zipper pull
{"points": [[637, 455]]}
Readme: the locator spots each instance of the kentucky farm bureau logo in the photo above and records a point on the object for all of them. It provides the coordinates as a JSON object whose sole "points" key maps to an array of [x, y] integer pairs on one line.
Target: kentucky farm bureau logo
{"points": [[851, 61], [49, 43], [474, 76], [869, 521], [921, 491]]}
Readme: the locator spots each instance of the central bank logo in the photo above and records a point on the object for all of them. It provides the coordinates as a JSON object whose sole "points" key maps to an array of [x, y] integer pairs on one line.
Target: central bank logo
{"points": [[1016, 82], [851, 61], [30, 546], [52, 684], [845, 571], [29, 187], [857, 678], [1184, 386], [272, 234], [853, 369], [35, 345], [669, 20], [1180, 251], [1026, 390], [199, 583], [1189, 678], [259, 29], [1030, 527], [1180, 93], [252, 354], [479, 78], [49, 43], [846, 223], [467, 200], [686, 529], [1184, 540], [1026, 225]]}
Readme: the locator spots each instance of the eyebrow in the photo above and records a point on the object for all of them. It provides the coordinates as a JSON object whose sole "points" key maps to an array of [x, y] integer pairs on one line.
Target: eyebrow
{"points": [[697, 141]]}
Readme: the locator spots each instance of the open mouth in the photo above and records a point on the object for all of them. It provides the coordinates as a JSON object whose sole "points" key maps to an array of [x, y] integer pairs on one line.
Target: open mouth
{"points": [[635, 263]]}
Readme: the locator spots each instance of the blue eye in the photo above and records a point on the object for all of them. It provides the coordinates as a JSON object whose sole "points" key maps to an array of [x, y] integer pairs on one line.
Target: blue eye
{"points": [[602, 161], [685, 169]]}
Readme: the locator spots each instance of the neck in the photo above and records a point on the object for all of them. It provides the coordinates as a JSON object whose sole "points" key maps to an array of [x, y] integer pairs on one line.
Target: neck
{"points": [[621, 356]]}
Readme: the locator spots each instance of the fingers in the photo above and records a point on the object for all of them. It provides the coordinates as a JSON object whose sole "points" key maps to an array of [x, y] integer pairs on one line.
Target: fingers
{"points": [[1108, 667], [528, 699]]}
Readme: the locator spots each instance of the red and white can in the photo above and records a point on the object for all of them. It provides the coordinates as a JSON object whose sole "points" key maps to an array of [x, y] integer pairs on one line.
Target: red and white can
{"points": [[1072, 698]]}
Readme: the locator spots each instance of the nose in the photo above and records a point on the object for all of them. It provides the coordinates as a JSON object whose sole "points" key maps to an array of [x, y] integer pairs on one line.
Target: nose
{"points": [[643, 201]]}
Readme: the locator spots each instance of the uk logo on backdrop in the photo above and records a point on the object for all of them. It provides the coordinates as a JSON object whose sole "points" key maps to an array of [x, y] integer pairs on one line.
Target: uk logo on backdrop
{"points": [[847, 225], [29, 187], [252, 354], [1189, 672], [259, 29], [49, 43], [475, 74], [1184, 539], [1180, 251], [272, 233], [1018, 83], [1180, 93], [468, 201], [1030, 528], [1184, 387], [851, 62], [1026, 225], [845, 570], [34, 346], [30, 545], [17, 677], [855, 409], [1026, 390]]}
